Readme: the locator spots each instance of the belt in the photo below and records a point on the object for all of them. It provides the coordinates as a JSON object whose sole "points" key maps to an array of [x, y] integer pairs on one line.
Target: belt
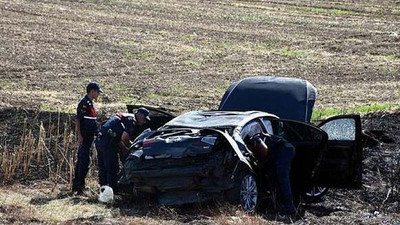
{"points": [[90, 118]]}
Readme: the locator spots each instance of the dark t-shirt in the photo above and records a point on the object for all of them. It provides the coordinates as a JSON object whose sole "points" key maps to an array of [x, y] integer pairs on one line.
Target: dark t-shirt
{"points": [[87, 116], [112, 130]]}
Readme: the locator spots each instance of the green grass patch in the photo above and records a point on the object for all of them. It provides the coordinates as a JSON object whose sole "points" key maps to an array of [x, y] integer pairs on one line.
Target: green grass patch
{"points": [[222, 89], [6, 84], [149, 71], [320, 114], [128, 54], [338, 12], [187, 38], [53, 108], [191, 49], [178, 90], [191, 63], [143, 55], [251, 19], [392, 57], [247, 47], [117, 87], [138, 55], [295, 53], [155, 96], [256, 19], [182, 91], [126, 99]]}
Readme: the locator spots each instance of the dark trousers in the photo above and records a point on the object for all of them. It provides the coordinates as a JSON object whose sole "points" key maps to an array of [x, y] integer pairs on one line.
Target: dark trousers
{"points": [[107, 154], [283, 163], [279, 162], [82, 164]]}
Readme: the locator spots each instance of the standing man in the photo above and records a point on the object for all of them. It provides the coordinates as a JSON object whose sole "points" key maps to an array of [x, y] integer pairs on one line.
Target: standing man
{"points": [[86, 128], [115, 137]]}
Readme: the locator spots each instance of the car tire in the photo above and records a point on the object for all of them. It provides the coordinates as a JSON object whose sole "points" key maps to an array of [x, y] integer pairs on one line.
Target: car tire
{"points": [[249, 195], [246, 192], [315, 193]]}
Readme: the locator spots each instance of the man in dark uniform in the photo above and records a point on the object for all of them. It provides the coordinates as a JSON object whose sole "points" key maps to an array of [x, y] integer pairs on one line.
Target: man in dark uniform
{"points": [[113, 139], [276, 154], [86, 128]]}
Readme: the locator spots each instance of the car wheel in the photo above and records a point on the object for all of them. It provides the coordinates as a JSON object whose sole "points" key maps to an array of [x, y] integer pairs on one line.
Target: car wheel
{"points": [[316, 192], [249, 193]]}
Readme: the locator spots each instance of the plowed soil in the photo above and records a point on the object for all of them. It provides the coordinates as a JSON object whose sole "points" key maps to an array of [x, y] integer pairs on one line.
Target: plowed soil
{"points": [[182, 55]]}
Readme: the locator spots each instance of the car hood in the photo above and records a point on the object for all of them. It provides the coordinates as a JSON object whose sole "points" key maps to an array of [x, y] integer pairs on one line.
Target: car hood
{"points": [[177, 146]]}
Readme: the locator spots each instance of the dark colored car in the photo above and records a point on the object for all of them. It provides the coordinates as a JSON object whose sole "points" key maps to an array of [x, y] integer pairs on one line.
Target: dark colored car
{"points": [[291, 99], [202, 155]]}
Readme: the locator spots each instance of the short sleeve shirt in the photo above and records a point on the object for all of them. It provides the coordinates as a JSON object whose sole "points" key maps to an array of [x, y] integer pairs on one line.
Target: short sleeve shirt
{"points": [[85, 109], [117, 125], [87, 116]]}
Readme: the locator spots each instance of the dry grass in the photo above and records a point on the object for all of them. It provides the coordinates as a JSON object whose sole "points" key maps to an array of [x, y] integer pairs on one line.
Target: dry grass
{"points": [[39, 150], [34, 204], [136, 49]]}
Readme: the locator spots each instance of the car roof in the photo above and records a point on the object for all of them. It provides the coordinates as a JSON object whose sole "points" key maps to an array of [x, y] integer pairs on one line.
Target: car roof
{"points": [[215, 119]]}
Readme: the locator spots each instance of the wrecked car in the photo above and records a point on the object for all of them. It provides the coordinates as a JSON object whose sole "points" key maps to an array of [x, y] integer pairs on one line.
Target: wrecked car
{"points": [[293, 99], [201, 155]]}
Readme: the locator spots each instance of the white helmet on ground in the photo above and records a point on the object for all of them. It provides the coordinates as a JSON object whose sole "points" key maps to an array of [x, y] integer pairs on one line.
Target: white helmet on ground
{"points": [[106, 194]]}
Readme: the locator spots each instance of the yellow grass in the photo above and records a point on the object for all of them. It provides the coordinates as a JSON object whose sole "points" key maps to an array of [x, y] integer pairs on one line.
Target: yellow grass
{"points": [[54, 211]]}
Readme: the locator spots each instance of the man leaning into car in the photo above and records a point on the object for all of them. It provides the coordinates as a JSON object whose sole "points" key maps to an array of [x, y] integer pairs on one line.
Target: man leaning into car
{"points": [[276, 154], [113, 138]]}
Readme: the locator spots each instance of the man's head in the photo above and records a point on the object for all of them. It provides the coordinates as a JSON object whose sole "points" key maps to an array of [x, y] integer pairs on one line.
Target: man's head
{"points": [[142, 116], [93, 90]]}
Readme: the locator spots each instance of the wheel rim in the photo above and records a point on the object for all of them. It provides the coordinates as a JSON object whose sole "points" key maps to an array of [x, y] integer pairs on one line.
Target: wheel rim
{"points": [[316, 191], [248, 193]]}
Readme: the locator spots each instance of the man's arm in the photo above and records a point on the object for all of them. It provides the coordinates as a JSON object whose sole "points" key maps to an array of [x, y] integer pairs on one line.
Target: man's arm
{"points": [[261, 148], [125, 143], [78, 131], [80, 111]]}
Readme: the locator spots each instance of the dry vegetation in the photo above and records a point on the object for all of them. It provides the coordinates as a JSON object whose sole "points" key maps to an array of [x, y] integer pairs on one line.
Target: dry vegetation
{"points": [[182, 55]]}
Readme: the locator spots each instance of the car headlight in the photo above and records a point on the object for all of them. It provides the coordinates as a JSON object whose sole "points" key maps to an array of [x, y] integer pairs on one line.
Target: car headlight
{"points": [[138, 153]]}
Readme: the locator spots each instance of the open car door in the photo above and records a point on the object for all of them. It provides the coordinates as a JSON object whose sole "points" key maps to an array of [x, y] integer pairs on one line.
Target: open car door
{"points": [[158, 117], [310, 143], [343, 159]]}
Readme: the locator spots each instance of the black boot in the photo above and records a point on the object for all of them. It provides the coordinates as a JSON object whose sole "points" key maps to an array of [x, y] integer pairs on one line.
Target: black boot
{"points": [[75, 185], [78, 186]]}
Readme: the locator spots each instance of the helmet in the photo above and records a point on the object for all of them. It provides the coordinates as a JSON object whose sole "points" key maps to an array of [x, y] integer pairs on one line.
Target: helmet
{"points": [[106, 194]]}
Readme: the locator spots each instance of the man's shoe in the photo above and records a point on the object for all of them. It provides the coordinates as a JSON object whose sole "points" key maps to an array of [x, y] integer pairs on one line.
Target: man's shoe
{"points": [[80, 192], [286, 218], [75, 186]]}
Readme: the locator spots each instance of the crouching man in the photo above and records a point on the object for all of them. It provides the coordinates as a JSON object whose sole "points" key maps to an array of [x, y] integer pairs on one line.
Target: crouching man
{"points": [[115, 137]]}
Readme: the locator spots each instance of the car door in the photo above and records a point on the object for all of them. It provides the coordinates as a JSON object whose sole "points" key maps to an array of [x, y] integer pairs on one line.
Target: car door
{"points": [[310, 143], [343, 159], [158, 117]]}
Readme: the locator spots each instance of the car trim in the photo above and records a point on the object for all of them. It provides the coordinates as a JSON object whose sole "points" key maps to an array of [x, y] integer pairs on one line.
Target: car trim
{"points": [[234, 145]]}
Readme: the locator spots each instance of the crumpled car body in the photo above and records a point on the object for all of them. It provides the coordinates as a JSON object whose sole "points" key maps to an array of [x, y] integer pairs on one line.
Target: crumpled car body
{"points": [[189, 160], [201, 155]]}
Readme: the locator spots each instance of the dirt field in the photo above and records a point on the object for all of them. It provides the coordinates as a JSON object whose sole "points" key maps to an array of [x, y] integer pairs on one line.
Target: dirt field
{"points": [[182, 55]]}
